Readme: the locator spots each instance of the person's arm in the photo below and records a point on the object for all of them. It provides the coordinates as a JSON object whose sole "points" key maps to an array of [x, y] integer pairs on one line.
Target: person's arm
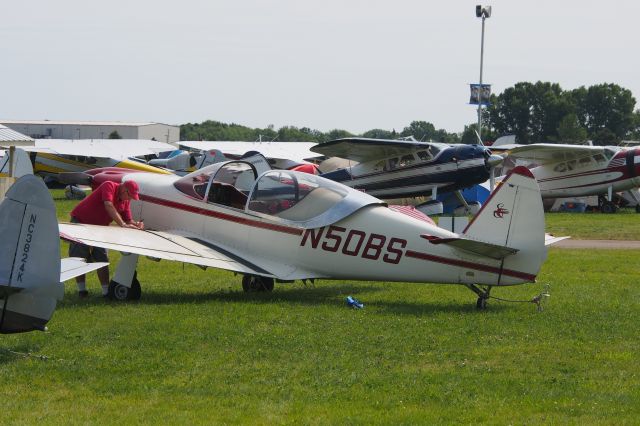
{"points": [[113, 214], [128, 218]]}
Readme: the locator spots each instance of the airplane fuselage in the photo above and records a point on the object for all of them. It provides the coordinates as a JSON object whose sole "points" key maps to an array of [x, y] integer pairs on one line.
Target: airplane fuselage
{"points": [[374, 243], [454, 168], [590, 175]]}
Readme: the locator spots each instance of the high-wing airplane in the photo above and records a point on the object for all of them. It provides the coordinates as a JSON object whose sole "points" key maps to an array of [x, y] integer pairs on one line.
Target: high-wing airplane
{"points": [[399, 168], [281, 155], [31, 272], [564, 170], [287, 225], [53, 156]]}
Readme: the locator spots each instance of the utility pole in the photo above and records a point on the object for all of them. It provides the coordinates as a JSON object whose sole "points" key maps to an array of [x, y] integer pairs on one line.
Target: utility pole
{"points": [[483, 12]]}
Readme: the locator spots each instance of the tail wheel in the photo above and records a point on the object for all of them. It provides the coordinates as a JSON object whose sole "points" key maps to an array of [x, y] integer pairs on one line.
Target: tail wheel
{"points": [[121, 293], [253, 283]]}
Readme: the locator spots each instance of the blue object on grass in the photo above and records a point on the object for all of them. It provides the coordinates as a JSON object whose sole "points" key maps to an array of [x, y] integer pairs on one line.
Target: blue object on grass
{"points": [[354, 303]]}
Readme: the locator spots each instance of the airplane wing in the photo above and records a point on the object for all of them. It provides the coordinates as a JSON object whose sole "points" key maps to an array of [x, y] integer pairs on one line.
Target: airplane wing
{"points": [[296, 151], [364, 149], [118, 149], [162, 245], [543, 153], [71, 267], [493, 251]]}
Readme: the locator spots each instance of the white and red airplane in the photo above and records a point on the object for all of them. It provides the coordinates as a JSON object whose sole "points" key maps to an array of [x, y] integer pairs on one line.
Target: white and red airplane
{"points": [[564, 170], [284, 225], [31, 272]]}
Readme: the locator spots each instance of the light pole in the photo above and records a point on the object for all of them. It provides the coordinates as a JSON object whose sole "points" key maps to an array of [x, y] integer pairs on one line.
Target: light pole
{"points": [[483, 12]]}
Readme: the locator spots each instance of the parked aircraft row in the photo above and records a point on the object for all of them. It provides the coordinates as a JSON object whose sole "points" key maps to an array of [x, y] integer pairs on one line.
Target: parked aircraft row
{"points": [[383, 168]]}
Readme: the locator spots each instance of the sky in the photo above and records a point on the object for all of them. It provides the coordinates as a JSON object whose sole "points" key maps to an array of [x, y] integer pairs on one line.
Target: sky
{"points": [[332, 64]]}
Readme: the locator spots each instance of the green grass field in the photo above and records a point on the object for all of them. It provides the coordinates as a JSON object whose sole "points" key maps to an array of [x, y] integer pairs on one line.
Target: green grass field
{"points": [[197, 350]]}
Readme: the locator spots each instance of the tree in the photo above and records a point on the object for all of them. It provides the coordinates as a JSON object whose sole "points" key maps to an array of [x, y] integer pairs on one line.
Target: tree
{"points": [[470, 134], [115, 135], [336, 134], [604, 137], [291, 133], [570, 130], [634, 133], [378, 134], [421, 130], [609, 106], [532, 112]]}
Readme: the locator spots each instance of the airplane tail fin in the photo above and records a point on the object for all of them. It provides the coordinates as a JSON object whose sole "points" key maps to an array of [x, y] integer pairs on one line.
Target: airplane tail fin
{"points": [[21, 164], [211, 156], [29, 257], [513, 217]]}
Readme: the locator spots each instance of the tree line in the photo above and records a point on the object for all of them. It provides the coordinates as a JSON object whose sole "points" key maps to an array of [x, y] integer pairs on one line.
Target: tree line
{"points": [[534, 112]]}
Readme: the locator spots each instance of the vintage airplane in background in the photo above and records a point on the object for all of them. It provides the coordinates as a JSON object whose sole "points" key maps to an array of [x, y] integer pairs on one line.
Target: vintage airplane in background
{"points": [[564, 170], [182, 162], [31, 272], [388, 168], [288, 225], [281, 155], [52, 156]]}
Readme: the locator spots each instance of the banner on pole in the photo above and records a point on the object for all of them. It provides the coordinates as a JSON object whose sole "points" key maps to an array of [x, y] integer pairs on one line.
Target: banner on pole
{"points": [[480, 94]]}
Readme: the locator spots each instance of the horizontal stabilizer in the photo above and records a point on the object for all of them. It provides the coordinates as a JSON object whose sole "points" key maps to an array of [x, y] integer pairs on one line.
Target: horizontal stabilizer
{"points": [[550, 239], [72, 267], [493, 251]]}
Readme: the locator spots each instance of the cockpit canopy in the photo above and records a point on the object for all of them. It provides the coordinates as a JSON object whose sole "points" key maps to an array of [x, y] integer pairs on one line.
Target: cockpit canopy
{"points": [[306, 199], [309, 201]]}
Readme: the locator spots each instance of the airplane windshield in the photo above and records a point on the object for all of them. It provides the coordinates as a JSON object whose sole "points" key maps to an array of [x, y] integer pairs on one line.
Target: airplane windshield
{"points": [[292, 196], [232, 176]]}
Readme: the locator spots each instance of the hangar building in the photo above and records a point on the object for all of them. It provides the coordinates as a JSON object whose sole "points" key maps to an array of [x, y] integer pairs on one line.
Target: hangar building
{"points": [[50, 129]]}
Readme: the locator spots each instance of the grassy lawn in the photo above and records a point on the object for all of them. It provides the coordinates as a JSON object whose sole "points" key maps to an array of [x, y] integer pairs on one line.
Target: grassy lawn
{"points": [[197, 350], [624, 225]]}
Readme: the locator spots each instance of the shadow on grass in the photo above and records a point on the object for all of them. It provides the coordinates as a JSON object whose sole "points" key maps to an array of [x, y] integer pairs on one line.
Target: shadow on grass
{"points": [[429, 308], [20, 352], [326, 295], [304, 295]]}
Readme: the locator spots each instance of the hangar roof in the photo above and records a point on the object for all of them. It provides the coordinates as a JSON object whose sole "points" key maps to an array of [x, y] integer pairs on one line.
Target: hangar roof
{"points": [[81, 123], [11, 137]]}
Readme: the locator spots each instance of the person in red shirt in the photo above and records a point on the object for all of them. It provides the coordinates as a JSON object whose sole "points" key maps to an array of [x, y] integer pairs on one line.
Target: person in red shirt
{"points": [[108, 202]]}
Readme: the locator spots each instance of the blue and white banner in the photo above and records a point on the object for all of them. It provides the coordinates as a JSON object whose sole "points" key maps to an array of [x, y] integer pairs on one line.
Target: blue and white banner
{"points": [[480, 94]]}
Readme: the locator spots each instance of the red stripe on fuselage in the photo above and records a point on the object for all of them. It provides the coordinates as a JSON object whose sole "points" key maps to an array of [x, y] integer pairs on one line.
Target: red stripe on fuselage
{"points": [[470, 265], [220, 215]]}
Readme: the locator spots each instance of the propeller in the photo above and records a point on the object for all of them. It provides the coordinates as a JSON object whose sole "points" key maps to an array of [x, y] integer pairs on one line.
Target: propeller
{"points": [[492, 161]]}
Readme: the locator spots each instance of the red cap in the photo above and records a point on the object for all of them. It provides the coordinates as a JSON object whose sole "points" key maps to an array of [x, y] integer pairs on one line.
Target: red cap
{"points": [[132, 189]]}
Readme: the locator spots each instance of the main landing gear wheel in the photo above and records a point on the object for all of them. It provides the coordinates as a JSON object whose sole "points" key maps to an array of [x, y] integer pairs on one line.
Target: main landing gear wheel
{"points": [[483, 295], [481, 304], [606, 206], [121, 293], [252, 283]]}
